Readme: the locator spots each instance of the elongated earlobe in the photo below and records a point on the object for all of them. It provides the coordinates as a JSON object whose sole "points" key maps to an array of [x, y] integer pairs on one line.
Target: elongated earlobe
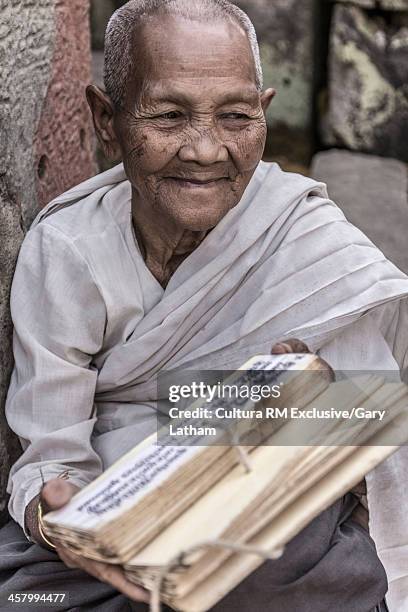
{"points": [[103, 111]]}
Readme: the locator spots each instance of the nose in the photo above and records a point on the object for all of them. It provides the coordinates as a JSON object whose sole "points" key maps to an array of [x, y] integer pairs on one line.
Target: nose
{"points": [[205, 149]]}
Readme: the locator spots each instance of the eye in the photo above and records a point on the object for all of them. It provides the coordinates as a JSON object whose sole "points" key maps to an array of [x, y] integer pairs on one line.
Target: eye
{"points": [[171, 115], [235, 116]]}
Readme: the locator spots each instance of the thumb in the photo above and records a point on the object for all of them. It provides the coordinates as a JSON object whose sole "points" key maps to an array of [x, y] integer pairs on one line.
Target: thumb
{"points": [[56, 493]]}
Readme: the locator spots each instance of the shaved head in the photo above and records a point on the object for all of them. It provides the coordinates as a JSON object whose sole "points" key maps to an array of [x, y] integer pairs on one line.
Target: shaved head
{"points": [[121, 50]]}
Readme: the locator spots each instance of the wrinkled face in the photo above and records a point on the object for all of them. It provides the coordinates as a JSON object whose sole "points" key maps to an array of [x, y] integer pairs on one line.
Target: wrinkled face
{"points": [[192, 128]]}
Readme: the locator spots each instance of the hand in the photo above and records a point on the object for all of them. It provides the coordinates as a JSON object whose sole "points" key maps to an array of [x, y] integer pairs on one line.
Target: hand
{"points": [[293, 345], [54, 495]]}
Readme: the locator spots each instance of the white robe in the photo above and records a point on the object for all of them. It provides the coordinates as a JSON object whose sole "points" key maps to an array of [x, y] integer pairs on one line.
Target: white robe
{"points": [[93, 325]]}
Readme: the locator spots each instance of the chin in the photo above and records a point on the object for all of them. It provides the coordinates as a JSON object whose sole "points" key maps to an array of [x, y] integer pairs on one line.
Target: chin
{"points": [[194, 209], [199, 216], [200, 220]]}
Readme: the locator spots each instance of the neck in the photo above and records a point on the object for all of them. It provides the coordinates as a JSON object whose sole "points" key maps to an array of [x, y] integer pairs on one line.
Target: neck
{"points": [[163, 244]]}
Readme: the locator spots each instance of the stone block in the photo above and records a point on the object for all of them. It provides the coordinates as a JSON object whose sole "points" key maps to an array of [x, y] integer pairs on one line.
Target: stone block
{"points": [[368, 76], [372, 192], [26, 49], [286, 34], [64, 140], [385, 5]]}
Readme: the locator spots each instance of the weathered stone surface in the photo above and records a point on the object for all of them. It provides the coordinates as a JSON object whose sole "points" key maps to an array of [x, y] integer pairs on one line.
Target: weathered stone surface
{"points": [[386, 5], [11, 234], [64, 140], [372, 192], [286, 36], [26, 49], [44, 63], [368, 91]]}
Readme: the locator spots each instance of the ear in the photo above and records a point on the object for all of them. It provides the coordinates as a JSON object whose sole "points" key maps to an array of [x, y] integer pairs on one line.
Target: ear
{"points": [[266, 98], [103, 111]]}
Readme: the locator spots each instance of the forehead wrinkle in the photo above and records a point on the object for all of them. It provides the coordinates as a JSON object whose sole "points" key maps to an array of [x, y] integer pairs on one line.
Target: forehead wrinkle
{"points": [[221, 60], [197, 70], [161, 93]]}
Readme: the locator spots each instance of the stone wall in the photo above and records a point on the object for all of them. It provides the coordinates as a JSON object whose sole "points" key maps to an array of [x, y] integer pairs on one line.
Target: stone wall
{"points": [[372, 193], [287, 39], [368, 95], [340, 69], [46, 143], [386, 5]]}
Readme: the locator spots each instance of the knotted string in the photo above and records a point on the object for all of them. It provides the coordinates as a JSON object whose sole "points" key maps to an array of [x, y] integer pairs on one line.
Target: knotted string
{"points": [[243, 458], [155, 603], [241, 452]]}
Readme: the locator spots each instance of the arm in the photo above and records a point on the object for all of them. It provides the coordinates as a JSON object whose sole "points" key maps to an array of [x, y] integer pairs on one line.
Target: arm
{"points": [[59, 318], [59, 321]]}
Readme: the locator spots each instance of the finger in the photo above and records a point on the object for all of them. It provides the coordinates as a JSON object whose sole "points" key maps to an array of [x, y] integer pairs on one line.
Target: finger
{"points": [[292, 345], [72, 559], [297, 346], [65, 557], [279, 349], [111, 574], [116, 577], [56, 493]]}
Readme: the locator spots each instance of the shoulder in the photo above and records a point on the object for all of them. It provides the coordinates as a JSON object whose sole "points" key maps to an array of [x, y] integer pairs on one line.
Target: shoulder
{"points": [[88, 222], [90, 208], [45, 246], [94, 215], [49, 262], [284, 198], [272, 175]]}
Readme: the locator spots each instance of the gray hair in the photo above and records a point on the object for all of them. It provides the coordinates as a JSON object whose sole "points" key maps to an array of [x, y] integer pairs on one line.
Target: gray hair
{"points": [[118, 38]]}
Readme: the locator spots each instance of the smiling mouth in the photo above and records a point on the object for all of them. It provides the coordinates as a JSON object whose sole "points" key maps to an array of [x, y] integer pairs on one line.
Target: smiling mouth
{"points": [[197, 183]]}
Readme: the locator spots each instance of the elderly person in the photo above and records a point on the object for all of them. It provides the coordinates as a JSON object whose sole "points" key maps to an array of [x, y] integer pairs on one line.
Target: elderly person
{"points": [[192, 252]]}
